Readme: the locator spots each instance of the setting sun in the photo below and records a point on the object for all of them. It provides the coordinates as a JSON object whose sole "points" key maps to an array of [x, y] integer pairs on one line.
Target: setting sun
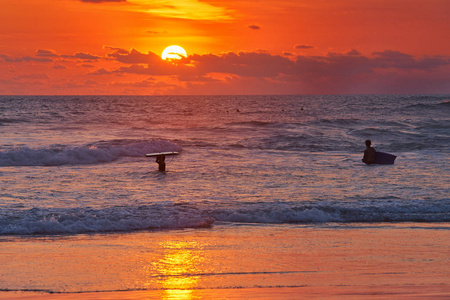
{"points": [[173, 52]]}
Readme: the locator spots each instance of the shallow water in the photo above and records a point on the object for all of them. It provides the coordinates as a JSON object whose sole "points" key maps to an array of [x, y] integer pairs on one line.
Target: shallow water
{"points": [[71, 166], [77, 164]]}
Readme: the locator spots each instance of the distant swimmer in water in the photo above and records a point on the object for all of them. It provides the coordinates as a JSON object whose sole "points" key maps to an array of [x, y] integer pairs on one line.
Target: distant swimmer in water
{"points": [[160, 160], [369, 153]]}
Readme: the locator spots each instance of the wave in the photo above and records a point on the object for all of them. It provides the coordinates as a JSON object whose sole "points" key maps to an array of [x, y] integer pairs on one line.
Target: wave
{"points": [[8, 121], [294, 142], [168, 216], [99, 152], [432, 106], [378, 211], [90, 220], [445, 103], [340, 134]]}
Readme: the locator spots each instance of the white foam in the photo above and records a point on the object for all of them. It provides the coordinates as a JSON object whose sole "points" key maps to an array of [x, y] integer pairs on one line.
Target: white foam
{"points": [[101, 152], [168, 215]]}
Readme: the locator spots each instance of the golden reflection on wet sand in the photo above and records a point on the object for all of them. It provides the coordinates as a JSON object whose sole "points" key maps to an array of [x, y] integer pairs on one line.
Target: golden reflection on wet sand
{"points": [[242, 262], [177, 268]]}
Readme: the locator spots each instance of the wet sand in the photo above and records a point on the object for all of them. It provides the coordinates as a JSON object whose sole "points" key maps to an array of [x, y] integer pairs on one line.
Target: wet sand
{"points": [[359, 292], [380, 261]]}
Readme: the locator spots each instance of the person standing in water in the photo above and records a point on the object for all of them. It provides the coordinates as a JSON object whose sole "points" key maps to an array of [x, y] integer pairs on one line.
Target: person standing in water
{"points": [[369, 153], [160, 160]]}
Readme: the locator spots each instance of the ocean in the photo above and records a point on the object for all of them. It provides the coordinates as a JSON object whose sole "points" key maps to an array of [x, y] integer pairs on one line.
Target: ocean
{"points": [[73, 170]]}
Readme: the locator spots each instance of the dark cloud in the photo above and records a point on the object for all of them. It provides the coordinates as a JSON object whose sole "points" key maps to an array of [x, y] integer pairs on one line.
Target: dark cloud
{"points": [[59, 67], [135, 57], [303, 47], [242, 64], [156, 70], [49, 56], [197, 78], [398, 60], [147, 83], [45, 53], [90, 83], [264, 65], [353, 52], [331, 65], [32, 76], [86, 56], [254, 27], [117, 50], [101, 71], [82, 56], [7, 58]]}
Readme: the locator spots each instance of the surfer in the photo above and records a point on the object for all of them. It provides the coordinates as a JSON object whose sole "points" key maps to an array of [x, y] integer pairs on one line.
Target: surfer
{"points": [[160, 160], [369, 153]]}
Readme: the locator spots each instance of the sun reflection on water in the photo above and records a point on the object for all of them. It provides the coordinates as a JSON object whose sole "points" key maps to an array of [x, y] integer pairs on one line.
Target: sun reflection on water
{"points": [[178, 269]]}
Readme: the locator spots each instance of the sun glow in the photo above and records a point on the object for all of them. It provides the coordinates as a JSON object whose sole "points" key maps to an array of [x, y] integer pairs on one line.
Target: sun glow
{"points": [[173, 53]]}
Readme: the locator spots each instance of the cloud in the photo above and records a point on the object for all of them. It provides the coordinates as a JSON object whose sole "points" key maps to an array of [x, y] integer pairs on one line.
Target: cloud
{"points": [[156, 70], [197, 78], [90, 83], [32, 76], [259, 72], [45, 53], [101, 71], [117, 50], [187, 9], [134, 57], [303, 47], [254, 27], [85, 56], [398, 60], [43, 56], [353, 52], [242, 64], [147, 83], [7, 58], [265, 65], [59, 67]]}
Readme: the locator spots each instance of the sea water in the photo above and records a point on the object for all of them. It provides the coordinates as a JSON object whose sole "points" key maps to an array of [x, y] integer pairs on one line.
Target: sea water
{"points": [[76, 165]]}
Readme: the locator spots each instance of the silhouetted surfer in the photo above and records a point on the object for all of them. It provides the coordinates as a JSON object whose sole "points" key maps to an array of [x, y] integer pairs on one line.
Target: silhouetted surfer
{"points": [[160, 160], [369, 153]]}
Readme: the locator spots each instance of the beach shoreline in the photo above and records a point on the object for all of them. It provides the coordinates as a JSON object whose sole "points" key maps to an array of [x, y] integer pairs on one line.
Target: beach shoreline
{"points": [[233, 262], [347, 292]]}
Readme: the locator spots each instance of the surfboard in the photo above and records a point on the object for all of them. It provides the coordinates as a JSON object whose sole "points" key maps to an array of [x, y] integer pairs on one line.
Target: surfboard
{"points": [[382, 158], [161, 153]]}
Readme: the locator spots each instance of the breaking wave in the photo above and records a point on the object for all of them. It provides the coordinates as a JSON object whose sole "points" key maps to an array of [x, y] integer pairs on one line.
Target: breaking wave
{"points": [[99, 152], [168, 216]]}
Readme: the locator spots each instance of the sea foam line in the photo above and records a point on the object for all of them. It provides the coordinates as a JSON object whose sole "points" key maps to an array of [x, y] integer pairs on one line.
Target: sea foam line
{"points": [[100, 152], [168, 216]]}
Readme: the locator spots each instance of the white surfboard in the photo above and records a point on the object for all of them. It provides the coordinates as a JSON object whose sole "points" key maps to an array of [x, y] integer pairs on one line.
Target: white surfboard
{"points": [[161, 153]]}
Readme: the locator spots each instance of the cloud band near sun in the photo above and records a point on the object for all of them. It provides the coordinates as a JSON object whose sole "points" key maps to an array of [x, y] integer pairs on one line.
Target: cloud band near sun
{"points": [[332, 73]]}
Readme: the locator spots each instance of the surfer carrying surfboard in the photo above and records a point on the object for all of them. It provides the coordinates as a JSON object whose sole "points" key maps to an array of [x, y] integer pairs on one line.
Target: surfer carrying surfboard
{"points": [[160, 160], [369, 153]]}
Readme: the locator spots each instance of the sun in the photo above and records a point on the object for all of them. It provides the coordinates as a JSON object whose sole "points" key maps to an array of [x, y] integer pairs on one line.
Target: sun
{"points": [[173, 53]]}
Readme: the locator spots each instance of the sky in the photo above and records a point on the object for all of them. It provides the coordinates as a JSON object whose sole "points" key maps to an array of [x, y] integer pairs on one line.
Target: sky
{"points": [[114, 47]]}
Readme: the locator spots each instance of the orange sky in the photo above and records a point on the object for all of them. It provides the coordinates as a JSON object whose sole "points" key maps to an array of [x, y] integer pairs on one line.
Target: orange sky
{"points": [[234, 47]]}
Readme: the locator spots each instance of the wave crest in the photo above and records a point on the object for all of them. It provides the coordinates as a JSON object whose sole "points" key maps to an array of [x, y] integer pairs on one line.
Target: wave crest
{"points": [[168, 216], [99, 152]]}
